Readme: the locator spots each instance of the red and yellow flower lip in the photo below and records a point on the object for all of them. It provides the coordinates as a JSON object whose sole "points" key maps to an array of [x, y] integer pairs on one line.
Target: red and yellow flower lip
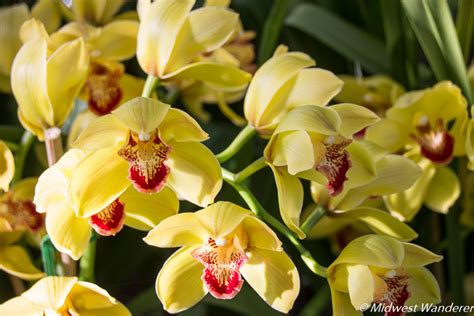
{"points": [[221, 244]]}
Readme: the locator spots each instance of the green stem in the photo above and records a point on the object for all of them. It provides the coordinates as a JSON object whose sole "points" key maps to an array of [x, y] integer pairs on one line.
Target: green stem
{"points": [[150, 85], [313, 218], [27, 141], [87, 263], [260, 211], [48, 255], [250, 170], [244, 136]]}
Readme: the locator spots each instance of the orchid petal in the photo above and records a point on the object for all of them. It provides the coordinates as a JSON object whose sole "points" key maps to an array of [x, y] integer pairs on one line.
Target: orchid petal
{"points": [[15, 261], [274, 277], [290, 199], [443, 191], [193, 163], [179, 285], [98, 180], [179, 230], [145, 211]]}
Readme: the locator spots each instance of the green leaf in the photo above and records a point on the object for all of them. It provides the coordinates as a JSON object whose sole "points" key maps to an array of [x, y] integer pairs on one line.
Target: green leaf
{"points": [[271, 30], [343, 37], [433, 25], [401, 43], [465, 25]]}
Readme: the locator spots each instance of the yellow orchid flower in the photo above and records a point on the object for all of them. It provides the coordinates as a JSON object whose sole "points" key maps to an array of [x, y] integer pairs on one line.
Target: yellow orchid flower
{"points": [[7, 166], [70, 232], [171, 36], [283, 83], [238, 52], [377, 93], [17, 217], [219, 245], [419, 119], [64, 296], [376, 269], [107, 46], [148, 144], [315, 143], [11, 19], [45, 97]]}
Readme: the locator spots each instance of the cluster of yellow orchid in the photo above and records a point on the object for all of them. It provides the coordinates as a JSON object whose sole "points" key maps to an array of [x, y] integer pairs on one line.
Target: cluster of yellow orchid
{"points": [[370, 153]]}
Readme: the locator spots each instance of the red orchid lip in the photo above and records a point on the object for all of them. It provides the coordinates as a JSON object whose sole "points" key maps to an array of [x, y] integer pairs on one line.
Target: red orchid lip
{"points": [[397, 293], [147, 159], [222, 263], [335, 165], [109, 221], [436, 143]]}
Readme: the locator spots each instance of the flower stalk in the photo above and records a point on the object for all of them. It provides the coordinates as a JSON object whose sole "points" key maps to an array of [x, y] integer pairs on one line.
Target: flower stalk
{"points": [[242, 138], [150, 84], [317, 213], [54, 151], [260, 211], [87, 263], [250, 170]]}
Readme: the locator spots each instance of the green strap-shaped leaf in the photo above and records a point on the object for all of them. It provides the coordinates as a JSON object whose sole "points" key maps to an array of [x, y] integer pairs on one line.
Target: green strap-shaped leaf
{"points": [[401, 43], [271, 30], [465, 26], [433, 25], [343, 37]]}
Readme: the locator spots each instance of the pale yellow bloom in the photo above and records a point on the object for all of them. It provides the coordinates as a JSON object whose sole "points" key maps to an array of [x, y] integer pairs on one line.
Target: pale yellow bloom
{"points": [[284, 82], [219, 245], [171, 36], [18, 217], [11, 19], [382, 270], [53, 296], [148, 145], [45, 96], [316, 143]]}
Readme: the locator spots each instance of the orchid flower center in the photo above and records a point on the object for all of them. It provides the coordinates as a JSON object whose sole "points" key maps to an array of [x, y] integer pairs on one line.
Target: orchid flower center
{"points": [[222, 259], [20, 214], [147, 155], [393, 290], [110, 220], [335, 163], [435, 142], [104, 92]]}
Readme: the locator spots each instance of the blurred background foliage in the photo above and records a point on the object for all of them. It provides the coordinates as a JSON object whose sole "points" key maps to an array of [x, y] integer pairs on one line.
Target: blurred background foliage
{"points": [[356, 37]]}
